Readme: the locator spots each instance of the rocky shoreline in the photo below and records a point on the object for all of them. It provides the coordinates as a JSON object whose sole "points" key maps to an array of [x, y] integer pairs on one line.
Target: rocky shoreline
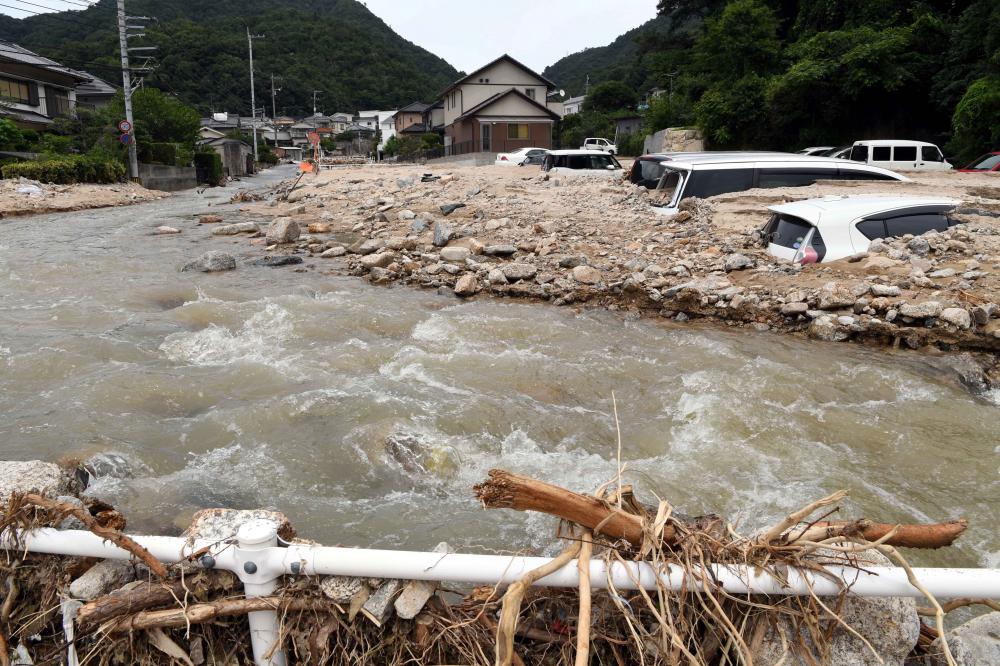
{"points": [[587, 242]]}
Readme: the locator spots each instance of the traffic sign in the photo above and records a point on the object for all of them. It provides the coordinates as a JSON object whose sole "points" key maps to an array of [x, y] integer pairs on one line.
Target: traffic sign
{"points": [[124, 127], [313, 138], [125, 139]]}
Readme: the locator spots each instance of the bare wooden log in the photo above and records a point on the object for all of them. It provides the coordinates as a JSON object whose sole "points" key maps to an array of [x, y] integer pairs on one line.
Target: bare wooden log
{"points": [[110, 533], [936, 535], [503, 490], [199, 613], [129, 600]]}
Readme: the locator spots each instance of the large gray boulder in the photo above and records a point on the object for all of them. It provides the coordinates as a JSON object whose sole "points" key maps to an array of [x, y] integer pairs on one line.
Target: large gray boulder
{"points": [[890, 625], [30, 476], [975, 643], [211, 262], [283, 230]]}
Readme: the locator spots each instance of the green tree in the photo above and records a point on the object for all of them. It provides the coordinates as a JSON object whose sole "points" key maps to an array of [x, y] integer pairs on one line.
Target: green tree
{"points": [[10, 135], [977, 120], [610, 96]]}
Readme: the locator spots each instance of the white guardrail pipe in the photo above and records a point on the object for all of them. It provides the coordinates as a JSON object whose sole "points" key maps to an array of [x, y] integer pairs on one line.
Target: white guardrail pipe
{"points": [[256, 559], [270, 562]]}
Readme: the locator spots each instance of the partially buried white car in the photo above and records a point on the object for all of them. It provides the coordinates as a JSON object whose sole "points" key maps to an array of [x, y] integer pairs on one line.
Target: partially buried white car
{"points": [[582, 163], [831, 228], [521, 157]]}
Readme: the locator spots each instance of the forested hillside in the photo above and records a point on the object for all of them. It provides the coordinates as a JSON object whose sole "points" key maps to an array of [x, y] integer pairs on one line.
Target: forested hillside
{"points": [[784, 74], [336, 46]]}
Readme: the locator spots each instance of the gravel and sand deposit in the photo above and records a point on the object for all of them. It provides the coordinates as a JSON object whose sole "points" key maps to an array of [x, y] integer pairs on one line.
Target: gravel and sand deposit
{"points": [[583, 240], [28, 197]]}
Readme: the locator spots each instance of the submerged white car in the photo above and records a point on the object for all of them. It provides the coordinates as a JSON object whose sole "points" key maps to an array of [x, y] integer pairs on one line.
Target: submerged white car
{"points": [[582, 163], [831, 228], [521, 156]]}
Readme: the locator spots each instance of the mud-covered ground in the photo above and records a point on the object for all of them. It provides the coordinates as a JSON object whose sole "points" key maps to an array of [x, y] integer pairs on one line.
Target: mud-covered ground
{"points": [[585, 240], [27, 197]]}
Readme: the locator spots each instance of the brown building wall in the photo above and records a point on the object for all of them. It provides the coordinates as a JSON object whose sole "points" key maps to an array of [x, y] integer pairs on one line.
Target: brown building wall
{"points": [[404, 120], [539, 136]]}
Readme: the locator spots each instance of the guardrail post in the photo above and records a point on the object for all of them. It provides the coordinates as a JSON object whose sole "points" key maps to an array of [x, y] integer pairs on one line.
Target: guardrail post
{"points": [[255, 539]]}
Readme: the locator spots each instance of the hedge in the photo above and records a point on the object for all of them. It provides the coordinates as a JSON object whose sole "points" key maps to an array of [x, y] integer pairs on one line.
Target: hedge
{"points": [[160, 153], [67, 170], [209, 164]]}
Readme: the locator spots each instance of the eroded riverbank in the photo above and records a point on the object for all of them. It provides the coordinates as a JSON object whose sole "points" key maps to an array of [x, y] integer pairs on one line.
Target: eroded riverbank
{"points": [[20, 197], [512, 232]]}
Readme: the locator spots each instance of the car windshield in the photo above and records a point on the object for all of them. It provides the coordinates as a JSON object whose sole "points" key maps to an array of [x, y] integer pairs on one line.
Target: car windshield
{"points": [[786, 231], [603, 161], [986, 162], [670, 183]]}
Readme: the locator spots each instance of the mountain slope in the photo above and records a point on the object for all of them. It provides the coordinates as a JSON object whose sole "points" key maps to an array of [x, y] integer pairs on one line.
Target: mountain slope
{"points": [[336, 46], [625, 59]]}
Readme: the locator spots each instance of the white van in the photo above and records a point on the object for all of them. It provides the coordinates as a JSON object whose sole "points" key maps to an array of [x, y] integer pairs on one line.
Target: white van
{"points": [[581, 163], [900, 155]]}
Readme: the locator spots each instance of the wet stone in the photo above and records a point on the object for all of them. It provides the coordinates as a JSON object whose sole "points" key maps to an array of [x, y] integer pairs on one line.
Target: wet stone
{"points": [[211, 262], [30, 476]]}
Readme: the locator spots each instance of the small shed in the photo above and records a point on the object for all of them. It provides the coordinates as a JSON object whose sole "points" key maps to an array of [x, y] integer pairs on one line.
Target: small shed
{"points": [[237, 156]]}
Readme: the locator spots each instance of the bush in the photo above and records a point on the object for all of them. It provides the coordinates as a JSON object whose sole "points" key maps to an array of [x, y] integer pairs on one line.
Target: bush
{"points": [[160, 153], [977, 120], [68, 170], [631, 144], [209, 167]]}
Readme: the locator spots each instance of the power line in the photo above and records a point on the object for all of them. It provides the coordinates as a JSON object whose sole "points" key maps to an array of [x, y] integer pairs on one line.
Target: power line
{"points": [[54, 9], [54, 17]]}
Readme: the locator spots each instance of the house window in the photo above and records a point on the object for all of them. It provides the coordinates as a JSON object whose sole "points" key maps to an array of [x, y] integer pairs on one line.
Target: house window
{"points": [[19, 91], [530, 92], [517, 130]]}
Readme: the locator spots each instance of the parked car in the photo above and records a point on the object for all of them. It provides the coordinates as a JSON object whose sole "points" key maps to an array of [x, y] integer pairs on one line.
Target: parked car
{"points": [[899, 154], [582, 163], [593, 143], [839, 153], [815, 150], [707, 175], [983, 163], [521, 156], [831, 228]]}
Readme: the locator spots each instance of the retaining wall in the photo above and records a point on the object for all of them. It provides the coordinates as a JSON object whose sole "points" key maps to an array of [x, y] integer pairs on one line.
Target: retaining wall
{"points": [[167, 178]]}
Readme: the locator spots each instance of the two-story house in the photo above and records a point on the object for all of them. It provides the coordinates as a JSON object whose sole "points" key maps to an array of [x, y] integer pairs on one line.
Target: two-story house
{"points": [[498, 108], [33, 89], [410, 115]]}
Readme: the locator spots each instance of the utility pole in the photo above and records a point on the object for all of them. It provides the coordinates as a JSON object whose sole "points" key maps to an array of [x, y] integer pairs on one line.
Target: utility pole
{"points": [[314, 100], [133, 158], [274, 109], [253, 99]]}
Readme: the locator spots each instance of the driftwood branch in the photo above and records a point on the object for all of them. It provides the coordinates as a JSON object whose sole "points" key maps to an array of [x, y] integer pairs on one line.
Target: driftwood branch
{"points": [[128, 600], [504, 490], [108, 533], [199, 613]]}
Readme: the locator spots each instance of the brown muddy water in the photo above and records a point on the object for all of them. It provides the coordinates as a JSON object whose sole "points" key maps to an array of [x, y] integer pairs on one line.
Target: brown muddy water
{"points": [[269, 387]]}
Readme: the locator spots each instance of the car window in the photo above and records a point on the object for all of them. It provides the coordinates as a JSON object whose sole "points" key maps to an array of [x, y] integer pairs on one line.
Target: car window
{"points": [[786, 230], [649, 172], [709, 182], [600, 161], [986, 162], [792, 177], [881, 153], [905, 154], [578, 161], [847, 173], [931, 154], [872, 229], [915, 224], [859, 153]]}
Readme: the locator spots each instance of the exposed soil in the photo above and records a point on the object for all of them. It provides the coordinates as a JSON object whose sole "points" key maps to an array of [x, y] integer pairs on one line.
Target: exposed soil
{"points": [[35, 198]]}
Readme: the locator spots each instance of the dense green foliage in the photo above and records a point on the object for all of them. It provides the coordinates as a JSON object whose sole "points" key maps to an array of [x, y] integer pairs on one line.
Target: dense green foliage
{"points": [[783, 74], [209, 163], [68, 169], [336, 46]]}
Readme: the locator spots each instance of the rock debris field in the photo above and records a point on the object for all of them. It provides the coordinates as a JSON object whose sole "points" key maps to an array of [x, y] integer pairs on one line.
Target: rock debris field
{"points": [[515, 232]]}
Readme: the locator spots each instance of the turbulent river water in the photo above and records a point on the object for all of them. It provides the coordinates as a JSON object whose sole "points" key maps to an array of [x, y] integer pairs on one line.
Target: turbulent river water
{"points": [[270, 387]]}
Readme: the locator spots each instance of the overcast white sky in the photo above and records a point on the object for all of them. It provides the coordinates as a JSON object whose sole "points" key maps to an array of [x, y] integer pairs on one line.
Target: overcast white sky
{"points": [[470, 33]]}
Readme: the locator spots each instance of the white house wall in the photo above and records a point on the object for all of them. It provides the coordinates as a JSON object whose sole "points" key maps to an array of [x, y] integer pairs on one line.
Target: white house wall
{"points": [[502, 76], [513, 106]]}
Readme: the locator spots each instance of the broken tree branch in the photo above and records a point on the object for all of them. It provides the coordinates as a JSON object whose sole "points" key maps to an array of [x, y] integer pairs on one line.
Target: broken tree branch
{"points": [[937, 535], [128, 600], [503, 490], [199, 613], [108, 533]]}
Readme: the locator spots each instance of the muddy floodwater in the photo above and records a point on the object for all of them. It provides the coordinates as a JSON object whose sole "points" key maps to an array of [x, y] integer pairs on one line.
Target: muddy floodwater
{"points": [[366, 414]]}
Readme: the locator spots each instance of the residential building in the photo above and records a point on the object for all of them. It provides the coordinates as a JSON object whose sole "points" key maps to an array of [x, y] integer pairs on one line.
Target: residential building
{"points": [[573, 105], [434, 118], [340, 121], [411, 114], [94, 94], [237, 156], [388, 125], [33, 89], [498, 108], [368, 120], [630, 125]]}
